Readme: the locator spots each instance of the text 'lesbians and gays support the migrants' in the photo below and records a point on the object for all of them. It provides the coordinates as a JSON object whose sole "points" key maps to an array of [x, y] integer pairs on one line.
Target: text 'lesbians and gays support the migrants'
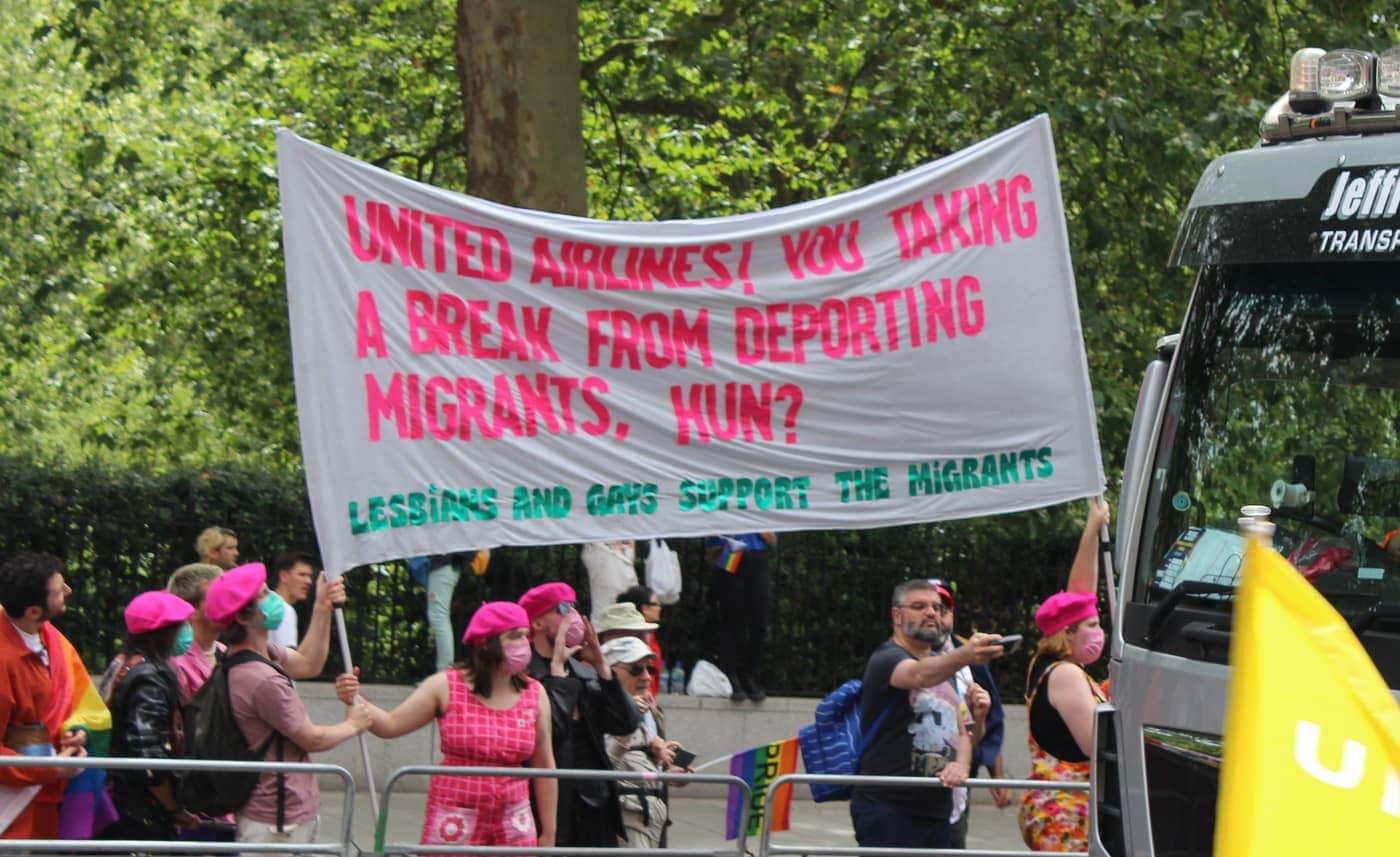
{"points": [[470, 374]]}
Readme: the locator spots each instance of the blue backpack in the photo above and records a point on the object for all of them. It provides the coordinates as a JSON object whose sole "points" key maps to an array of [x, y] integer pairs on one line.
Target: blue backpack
{"points": [[833, 744]]}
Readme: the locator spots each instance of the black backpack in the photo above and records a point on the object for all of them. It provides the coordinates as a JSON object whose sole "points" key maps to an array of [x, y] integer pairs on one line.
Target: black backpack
{"points": [[212, 734]]}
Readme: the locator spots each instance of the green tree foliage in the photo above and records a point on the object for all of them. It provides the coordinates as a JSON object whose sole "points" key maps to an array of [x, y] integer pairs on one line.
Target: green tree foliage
{"points": [[702, 109], [142, 269], [144, 305], [144, 310]]}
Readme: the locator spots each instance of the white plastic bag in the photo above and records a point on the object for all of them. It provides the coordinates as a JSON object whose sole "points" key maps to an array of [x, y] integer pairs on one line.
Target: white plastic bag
{"points": [[708, 680], [664, 572], [610, 572]]}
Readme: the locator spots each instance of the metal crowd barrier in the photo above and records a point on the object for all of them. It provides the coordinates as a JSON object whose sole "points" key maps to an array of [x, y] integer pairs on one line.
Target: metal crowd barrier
{"points": [[766, 848], [162, 846], [382, 847]]}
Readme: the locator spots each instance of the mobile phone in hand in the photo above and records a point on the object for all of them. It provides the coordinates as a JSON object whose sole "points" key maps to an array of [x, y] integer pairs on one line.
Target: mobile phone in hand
{"points": [[1010, 643], [683, 758]]}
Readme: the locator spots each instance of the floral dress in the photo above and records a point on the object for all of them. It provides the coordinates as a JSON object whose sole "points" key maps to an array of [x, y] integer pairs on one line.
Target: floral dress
{"points": [[483, 810], [1053, 819]]}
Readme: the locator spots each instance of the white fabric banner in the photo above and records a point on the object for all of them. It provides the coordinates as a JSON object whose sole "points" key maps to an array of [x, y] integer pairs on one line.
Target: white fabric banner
{"points": [[470, 374]]}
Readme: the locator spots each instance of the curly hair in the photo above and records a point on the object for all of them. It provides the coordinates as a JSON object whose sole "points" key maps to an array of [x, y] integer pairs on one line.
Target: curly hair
{"points": [[24, 581], [639, 595], [211, 540]]}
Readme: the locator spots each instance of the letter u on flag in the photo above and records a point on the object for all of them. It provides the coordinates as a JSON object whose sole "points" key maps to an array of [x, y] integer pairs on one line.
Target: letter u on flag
{"points": [[759, 767], [1312, 733]]}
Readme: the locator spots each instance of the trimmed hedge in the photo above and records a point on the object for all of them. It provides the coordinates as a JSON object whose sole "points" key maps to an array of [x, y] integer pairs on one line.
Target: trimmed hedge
{"points": [[122, 532]]}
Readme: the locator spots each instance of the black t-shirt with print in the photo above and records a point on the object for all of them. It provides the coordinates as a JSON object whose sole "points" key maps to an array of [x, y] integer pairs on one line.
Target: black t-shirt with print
{"points": [[907, 743]]}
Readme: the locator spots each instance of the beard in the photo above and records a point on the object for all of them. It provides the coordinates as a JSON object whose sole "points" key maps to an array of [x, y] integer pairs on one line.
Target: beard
{"points": [[936, 636]]}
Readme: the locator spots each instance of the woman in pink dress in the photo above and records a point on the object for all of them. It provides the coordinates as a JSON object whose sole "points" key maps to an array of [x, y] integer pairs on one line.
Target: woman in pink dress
{"points": [[490, 714], [1060, 701]]}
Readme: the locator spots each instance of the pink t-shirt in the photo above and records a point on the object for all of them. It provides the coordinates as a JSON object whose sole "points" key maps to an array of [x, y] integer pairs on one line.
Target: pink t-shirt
{"points": [[193, 669], [263, 701]]}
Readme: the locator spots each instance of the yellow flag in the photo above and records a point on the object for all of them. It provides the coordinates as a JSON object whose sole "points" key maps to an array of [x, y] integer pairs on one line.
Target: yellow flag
{"points": [[1312, 733]]}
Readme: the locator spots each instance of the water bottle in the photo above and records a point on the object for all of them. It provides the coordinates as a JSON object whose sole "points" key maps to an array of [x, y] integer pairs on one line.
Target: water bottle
{"points": [[678, 678], [665, 680]]}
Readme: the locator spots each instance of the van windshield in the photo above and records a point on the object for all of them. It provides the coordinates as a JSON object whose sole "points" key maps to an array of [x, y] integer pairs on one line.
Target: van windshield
{"points": [[1286, 393]]}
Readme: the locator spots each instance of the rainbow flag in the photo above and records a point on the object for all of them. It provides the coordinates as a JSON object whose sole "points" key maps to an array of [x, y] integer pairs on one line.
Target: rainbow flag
{"points": [[87, 806], [759, 767], [75, 704], [731, 554]]}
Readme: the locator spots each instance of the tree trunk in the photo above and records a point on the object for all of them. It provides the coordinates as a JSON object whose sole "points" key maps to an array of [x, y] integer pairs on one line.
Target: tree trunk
{"points": [[517, 63]]}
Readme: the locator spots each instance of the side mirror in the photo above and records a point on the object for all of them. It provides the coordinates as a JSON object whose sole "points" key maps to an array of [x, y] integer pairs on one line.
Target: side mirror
{"points": [[1369, 486], [1305, 471]]}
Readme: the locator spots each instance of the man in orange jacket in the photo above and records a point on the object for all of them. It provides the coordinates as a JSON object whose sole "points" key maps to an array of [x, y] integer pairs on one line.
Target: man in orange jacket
{"points": [[41, 677]]}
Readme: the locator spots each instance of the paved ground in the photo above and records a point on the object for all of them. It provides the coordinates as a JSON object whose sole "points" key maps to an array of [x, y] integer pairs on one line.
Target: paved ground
{"points": [[698, 823]]}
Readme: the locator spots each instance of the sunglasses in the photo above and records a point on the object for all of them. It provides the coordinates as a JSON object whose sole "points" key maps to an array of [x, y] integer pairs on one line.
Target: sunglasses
{"points": [[564, 607], [637, 671]]}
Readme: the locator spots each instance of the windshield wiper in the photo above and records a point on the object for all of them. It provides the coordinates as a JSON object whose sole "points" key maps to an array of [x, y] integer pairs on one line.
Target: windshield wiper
{"points": [[1310, 519], [1380, 611], [1168, 605]]}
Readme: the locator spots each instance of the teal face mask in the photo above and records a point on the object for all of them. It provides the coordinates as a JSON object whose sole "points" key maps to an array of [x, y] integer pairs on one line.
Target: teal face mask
{"points": [[272, 607], [183, 639]]}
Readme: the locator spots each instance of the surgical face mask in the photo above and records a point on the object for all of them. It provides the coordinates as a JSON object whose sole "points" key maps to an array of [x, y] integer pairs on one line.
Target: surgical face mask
{"points": [[574, 636], [272, 609], [183, 639], [516, 656], [1088, 645]]}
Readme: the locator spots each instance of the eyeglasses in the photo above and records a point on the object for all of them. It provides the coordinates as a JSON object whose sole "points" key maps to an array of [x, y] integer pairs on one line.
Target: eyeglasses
{"points": [[652, 604], [920, 606], [564, 607], [636, 671], [944, 587]]}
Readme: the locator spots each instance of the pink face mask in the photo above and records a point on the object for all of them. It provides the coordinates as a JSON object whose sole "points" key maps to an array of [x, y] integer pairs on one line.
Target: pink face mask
{"points": [[1089, 645], [516, 656], [574, 636]]}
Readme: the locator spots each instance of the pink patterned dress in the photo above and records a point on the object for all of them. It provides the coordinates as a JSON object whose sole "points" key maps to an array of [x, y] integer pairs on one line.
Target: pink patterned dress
{"points": [[483, 810], [1054, 819]]}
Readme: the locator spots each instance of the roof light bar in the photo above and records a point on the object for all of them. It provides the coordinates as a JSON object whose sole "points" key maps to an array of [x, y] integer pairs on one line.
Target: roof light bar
{"points": [[1303, 70], [1337, 92], [1388, 72], [1347, 75], [1304, 83]]}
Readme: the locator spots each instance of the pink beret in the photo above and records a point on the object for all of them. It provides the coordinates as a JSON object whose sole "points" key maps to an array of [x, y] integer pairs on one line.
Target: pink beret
{"points": [[151, 610], [1064, 609], [232, 590], [492, 618], [545, 597]]}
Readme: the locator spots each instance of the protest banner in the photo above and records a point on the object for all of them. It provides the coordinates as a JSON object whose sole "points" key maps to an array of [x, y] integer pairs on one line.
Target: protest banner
{"points": [[470, 374]]}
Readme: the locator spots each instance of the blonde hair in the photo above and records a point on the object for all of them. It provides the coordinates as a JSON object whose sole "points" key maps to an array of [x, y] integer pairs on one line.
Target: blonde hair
{"points": [[188, 580], [1056, 647], [1057, 644], [211, 540]]}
